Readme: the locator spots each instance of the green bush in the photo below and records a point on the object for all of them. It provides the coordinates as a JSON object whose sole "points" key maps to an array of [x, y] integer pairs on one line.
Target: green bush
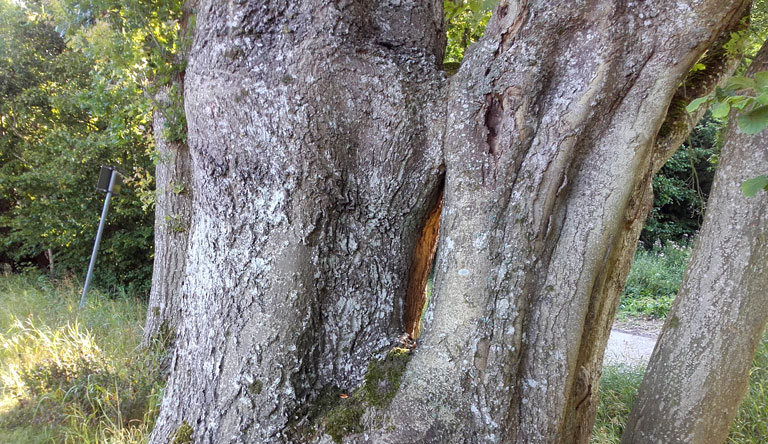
{"points": [[751, 423], [465, 23], [654, 280], [66, 113], [681, 187]]}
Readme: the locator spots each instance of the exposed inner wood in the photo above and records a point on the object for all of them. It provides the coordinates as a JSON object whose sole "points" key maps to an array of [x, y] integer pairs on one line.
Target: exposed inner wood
{"points": [[423, 256]]}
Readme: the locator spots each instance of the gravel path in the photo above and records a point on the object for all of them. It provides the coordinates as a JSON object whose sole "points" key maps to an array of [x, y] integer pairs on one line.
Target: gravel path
{"points": [[629, 348]]}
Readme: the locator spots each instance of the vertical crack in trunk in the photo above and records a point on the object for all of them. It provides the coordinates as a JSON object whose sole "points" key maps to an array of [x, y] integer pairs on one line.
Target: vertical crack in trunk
{"points": [[421, 266], [493, 118]]}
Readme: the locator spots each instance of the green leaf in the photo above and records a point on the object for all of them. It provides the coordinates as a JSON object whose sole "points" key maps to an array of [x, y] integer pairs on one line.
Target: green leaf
{"points": [[721, 110], [698, 67], [720, 94], [761, 81], [741, 102], [696, 103], [739, 82], [752, 186], [754, 121]]}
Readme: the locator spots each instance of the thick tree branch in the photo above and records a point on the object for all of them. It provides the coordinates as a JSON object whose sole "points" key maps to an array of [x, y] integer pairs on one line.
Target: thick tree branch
{"points": [[719, 64], [609, 285]]}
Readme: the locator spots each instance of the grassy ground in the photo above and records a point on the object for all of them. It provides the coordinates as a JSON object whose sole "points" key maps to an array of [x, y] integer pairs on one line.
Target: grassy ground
{"points": [[77, 377], [651, 287], [70, 376]]}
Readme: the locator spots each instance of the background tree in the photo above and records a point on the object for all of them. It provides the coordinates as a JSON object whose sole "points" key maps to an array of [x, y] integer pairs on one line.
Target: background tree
{"points": [[682, 185], [699, 370], [63, 114]]}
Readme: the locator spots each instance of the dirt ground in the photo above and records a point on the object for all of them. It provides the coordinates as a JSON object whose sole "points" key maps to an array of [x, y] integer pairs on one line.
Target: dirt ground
{"points": [[632, 341]]}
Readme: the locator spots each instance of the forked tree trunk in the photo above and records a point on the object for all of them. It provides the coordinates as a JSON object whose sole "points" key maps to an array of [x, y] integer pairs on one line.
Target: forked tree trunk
{"points": [[547, 152], [319, 133], [699, 371]]}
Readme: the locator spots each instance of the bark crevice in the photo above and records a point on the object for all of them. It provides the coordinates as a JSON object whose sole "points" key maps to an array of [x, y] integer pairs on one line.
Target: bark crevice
{"points": [[421, 266]]}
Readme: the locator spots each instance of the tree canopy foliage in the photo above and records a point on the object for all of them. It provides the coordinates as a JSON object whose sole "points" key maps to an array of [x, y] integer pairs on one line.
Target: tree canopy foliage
{"points": [[74, 95]]}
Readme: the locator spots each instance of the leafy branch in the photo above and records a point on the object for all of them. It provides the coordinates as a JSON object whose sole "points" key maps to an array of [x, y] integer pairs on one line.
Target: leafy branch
{"points": [[749, 97]]}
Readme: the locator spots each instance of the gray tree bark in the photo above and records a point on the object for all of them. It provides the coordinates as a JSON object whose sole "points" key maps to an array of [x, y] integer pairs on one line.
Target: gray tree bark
{"points": [[718, 65], [699, 371], [320, 135], [546, 152], [173, 213], [173, 206], [315, 136]]}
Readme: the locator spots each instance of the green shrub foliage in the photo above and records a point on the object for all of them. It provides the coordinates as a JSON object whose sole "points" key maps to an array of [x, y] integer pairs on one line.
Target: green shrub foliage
{"points": [[654, 280], [75, 94], [682, 186]]}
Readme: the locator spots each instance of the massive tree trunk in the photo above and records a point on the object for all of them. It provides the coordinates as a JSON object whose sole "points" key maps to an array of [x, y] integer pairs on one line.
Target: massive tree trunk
{"points": [[315, 135], [699, 371], [320, 136]]}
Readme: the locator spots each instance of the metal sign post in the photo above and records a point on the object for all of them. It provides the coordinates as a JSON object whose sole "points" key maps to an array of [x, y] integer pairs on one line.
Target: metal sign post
{"points": [[108, 175]]}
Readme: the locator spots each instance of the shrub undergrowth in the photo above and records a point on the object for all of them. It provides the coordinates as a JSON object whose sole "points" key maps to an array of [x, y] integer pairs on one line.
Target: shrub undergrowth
{"points": [[654, 280], [73, 376]]}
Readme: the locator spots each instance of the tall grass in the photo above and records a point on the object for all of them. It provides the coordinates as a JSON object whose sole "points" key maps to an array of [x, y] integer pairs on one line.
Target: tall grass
{"points": [[618, 388], [73, 376], [751, 423], [70, 376], [654, 280]]}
